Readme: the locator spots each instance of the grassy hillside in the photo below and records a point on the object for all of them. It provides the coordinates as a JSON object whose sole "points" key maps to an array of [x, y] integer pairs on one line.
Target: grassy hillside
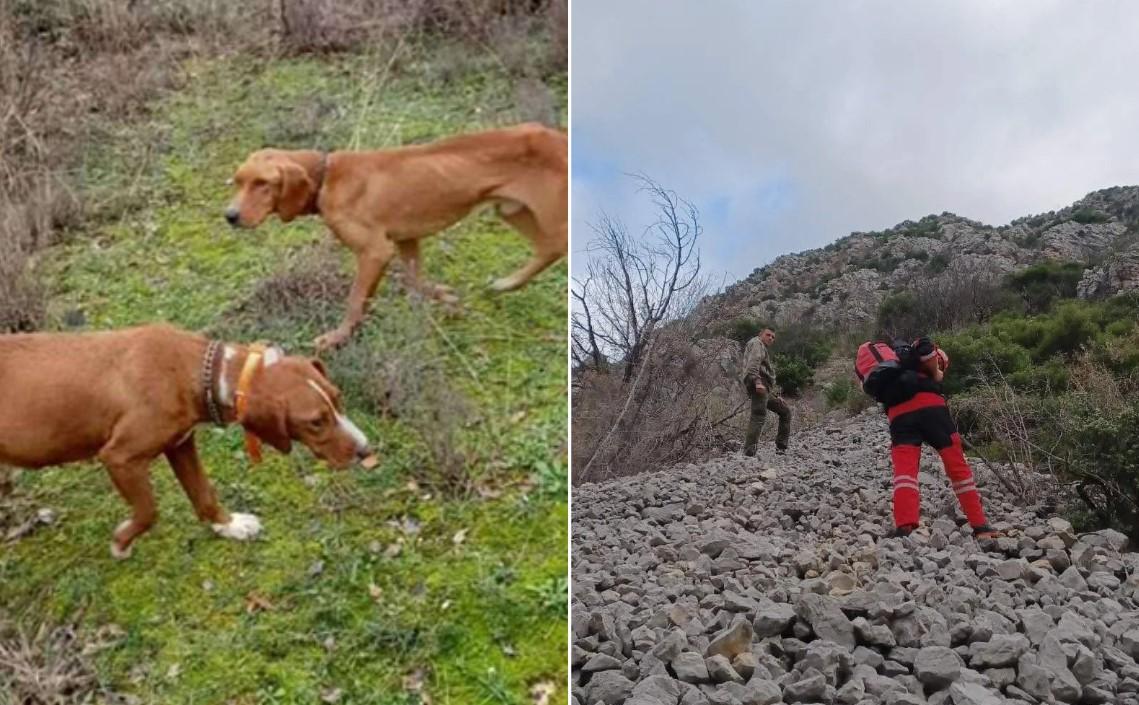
{"points": [[440, 575]]}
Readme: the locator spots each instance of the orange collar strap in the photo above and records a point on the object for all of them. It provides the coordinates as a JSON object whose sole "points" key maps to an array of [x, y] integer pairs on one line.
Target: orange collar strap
{"points": [[241, 399]]}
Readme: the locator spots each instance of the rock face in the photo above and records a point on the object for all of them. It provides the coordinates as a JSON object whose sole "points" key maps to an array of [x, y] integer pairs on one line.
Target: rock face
{"points": [[716, 583], [1119, 273], [845, 283]]}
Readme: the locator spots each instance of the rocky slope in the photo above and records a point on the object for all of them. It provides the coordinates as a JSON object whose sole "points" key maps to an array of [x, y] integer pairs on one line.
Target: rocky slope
{"points": [[844, 283], [766, 580]]}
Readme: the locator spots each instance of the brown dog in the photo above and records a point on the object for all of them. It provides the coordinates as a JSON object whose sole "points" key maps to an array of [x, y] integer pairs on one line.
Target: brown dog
{"points": [[126, 397], [382, 202]]}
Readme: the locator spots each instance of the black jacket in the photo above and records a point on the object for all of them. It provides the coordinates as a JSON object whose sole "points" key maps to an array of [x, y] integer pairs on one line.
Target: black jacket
{"points": [[906, 386]]}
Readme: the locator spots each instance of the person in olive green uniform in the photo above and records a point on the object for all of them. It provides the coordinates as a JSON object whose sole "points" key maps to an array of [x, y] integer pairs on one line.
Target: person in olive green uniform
{"points": [[759, 382]]}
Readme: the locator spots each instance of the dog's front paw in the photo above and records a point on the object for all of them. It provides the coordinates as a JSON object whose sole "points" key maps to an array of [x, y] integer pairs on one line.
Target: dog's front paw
{"points": [[121, 546], [241, 527], [331, 340], [505, 284], [444, 294]]}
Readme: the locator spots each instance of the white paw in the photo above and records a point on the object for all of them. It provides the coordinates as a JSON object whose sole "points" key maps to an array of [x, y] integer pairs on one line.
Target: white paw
{"points": [[502, 284], [117, 553], [241, 527]]}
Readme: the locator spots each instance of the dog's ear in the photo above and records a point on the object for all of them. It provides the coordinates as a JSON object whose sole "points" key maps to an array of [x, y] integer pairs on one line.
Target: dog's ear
{"points": [[296, 191], [268, 419], [319, 367]]}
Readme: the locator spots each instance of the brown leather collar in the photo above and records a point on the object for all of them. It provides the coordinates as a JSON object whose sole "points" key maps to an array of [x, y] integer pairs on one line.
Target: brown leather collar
{"points": [[211, 368], [322, 170]]}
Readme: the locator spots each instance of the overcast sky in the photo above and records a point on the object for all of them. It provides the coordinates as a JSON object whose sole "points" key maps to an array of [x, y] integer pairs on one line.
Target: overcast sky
{"points": [[790, 124]]}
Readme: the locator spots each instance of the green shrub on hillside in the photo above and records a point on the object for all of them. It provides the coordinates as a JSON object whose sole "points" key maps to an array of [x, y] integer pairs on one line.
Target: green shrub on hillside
{"points": [[1107, 456], [1040, 285], [1031, 351], [1085, 216], [897, 311], [926, 227], [938, 263], [740, 329]]}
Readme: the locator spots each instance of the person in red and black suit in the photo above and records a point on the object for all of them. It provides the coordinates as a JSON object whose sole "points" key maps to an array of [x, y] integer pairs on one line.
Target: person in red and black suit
{"points": [[917, 412]]}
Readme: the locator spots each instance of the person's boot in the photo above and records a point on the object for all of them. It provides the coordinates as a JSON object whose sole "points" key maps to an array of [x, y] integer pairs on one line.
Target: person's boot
{"points": [[902, 531], [781, 451], [984, 531]]}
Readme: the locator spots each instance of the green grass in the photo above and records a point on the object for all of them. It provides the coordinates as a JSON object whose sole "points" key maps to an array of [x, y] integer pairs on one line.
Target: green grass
{"points": [[484, 618]]}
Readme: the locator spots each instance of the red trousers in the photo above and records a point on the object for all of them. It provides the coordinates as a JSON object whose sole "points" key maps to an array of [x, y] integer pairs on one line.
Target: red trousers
{"points": [[926, 418]]}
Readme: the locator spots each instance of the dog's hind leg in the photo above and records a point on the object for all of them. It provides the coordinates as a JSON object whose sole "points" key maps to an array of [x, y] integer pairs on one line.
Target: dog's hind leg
{"points": [[409, 255], [548, 247]]}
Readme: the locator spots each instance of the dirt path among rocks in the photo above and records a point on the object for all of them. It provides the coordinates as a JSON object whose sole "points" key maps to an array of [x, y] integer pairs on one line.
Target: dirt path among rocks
{"points": [[766, 580]]}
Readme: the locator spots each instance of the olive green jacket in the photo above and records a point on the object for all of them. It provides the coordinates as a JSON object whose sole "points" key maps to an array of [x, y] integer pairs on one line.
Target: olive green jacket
{"points": [[757, 363]]}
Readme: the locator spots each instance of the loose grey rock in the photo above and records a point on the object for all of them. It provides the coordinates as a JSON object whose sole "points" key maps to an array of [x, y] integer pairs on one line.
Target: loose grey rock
{"points": [[720, 670], [937, 666], [1001, 650], [773, 620], [660, 688], [734, 640], [810, 689], [762, 692], [601, 662], [609, 687], [826, 619], [972, 694], [690, 667]]}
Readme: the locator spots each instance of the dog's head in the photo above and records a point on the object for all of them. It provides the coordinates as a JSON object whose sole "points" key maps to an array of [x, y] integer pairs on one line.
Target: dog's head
{"points": [[292, 399], [269, 181]]}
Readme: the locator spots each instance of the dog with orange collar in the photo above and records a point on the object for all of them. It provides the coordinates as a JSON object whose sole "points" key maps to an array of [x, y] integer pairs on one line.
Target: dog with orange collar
{"points": [[126, 397]]}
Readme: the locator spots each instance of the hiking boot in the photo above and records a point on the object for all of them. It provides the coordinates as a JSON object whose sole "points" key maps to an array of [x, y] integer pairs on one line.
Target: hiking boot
{"points": [[902, 531], [984, 531]]}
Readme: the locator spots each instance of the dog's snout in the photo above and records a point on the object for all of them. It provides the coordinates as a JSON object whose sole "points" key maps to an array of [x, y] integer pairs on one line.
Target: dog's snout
{"points": [[232, 216], [362, 452]]}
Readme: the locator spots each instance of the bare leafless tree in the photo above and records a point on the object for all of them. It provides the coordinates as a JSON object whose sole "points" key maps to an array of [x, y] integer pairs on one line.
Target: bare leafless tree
{"points": [[632, 284], [631, 310]]}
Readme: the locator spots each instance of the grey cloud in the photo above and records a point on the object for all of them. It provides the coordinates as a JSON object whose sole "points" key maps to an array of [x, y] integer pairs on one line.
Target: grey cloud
{"points": [[867, 113]]}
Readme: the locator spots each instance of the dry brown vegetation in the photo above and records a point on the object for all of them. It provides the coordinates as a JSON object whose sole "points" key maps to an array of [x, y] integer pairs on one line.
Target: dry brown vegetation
{"points": [[684, 407], [646, 394], [73, 70], [50, 665]]}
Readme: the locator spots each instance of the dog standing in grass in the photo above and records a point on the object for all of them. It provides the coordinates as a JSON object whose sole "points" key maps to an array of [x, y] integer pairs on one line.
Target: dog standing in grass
{"points": [[381, 203], [126, 397]]}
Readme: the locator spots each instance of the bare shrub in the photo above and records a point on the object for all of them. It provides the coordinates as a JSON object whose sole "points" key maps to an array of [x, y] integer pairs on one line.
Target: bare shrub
{"points": [[1042, 435], [401, 375], [307, 294], [944, 302], [48, 665], [685, 407], [1013, 421]]}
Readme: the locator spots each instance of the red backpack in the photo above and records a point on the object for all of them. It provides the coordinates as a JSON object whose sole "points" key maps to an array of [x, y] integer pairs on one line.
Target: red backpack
{"points": [[876, 364]]}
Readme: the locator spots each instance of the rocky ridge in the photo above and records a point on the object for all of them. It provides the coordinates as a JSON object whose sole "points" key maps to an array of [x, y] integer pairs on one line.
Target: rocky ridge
{"points": [[844, 283], [759, 581]]}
